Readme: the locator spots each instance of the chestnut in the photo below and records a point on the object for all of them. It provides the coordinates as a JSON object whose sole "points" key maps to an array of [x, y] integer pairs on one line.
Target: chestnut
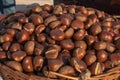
{"points": [[17, 26], [55, 24], [18, 55], [36, 9], [47, 8], [96, 68], [6, 46], [108, 64], [71, 10], [102, 56], [90, 59], [67, 70], [1, 39], [62, 28], [91, 11], [108, 29], [101, 45], [29, 27], [15, 47], [14, 65], [90, 39], [1, 49], [57, 34], [99, 14], [79, 53], [23, 20], [27, 64], [44, 14], [110, 47], [22, 36], [83, 10], [81, 17], [106, 36], [54, 64], [93, 17], [92, 51], [3, 55], [41, 38], [11, 32], [50, 40], [57, 9], [38, 49], [88, 23], [51, 53], [36, 19], [95, 29], [67, 44], [107, 23], [50, 19], [39, 29], [81, 44], [7, 38], [38, 63], [29, 47], [79, 65], [115, 58], [66, 19], [58, 47], [108, 18], [65, 56], [77, 24], [69, 33], [79, 35], [116, 25]]}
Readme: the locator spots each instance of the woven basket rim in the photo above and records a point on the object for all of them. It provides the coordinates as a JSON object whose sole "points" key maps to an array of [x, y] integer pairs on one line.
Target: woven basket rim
{"points": [[111, 74]]}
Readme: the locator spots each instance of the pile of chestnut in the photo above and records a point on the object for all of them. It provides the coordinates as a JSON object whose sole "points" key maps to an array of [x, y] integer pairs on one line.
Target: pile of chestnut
{"points": [[65, 39]]}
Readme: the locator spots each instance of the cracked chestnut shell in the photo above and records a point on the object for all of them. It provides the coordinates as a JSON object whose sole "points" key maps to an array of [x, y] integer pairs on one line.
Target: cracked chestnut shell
{"points": [[96, 68], [79, 53], [38, 63], [29, 27], [51, 53], [79, 65]]}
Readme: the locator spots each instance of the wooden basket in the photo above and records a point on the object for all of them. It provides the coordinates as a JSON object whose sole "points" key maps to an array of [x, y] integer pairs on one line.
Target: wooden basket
{"points": [[9, 74]]}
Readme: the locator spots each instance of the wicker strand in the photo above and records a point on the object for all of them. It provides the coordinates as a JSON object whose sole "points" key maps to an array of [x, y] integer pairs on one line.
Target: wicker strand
{"points": [[64, 76]]}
